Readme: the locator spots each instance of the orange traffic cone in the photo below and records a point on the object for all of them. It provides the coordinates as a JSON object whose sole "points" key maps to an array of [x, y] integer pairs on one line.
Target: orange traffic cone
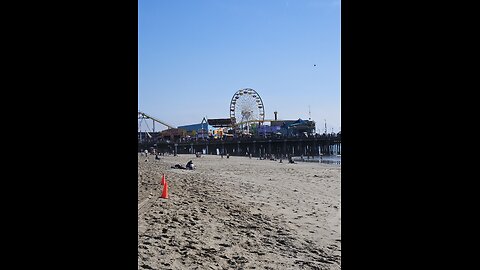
{"points": [[165, 191], [163, 180]]}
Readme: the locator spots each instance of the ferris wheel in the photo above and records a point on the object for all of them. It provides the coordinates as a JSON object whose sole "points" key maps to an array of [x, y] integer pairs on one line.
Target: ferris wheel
{"points": [[246, 105]]}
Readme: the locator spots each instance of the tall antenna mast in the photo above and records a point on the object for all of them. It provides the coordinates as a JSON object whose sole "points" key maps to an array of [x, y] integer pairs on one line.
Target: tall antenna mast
{"points": [[309, 113], [325, 126]]}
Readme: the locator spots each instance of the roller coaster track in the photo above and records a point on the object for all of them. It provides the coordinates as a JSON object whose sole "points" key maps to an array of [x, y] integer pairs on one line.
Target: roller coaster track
{"points": [[144, 115]]}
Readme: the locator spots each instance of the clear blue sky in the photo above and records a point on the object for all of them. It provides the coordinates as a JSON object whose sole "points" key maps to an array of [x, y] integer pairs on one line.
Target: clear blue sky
{"points": [[193, 55]]}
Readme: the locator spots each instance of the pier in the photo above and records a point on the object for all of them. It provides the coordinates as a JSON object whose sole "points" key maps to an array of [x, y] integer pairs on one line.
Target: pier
{"points": [[257, 147]]}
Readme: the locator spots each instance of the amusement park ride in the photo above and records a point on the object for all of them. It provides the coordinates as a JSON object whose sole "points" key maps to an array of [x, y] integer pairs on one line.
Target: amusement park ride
{"points": [[246, 112], [247, 107], [143, 116]]}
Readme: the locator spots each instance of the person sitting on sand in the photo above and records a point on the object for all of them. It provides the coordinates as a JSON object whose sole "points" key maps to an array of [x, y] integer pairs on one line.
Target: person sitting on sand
{"points": [[190, 165], [156, 157]]}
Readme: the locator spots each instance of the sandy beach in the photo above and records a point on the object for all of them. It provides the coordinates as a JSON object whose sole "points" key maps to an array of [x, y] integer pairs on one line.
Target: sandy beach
{"points": [[238, 213]]}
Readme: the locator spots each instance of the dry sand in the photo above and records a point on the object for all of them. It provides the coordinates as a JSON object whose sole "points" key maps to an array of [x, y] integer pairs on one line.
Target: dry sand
{"points": [[238, 213]]}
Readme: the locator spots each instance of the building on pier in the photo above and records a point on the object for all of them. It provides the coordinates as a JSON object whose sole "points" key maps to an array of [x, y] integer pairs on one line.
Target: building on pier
{"points": [[196, 130]]}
